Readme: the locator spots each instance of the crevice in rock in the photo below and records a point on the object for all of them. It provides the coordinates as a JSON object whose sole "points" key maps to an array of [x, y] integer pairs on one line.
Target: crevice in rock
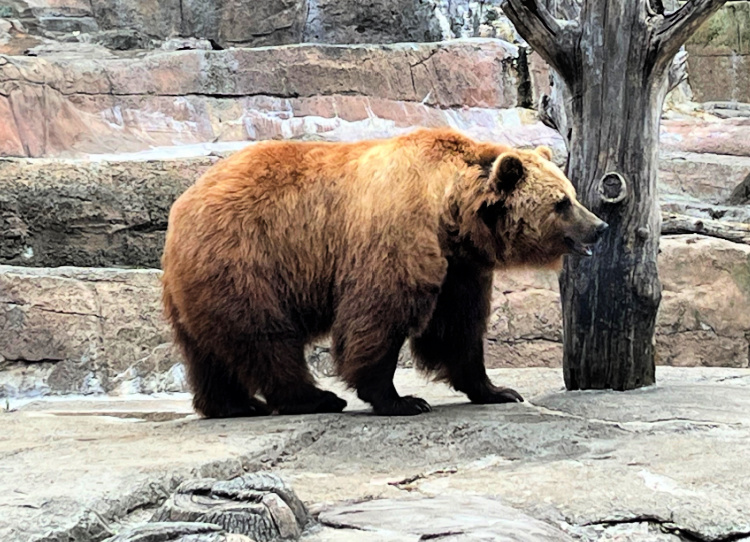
{"points": [[146, 227], [7, 363], [54, 311], [406, 483], [438, 536], [522, 340]]}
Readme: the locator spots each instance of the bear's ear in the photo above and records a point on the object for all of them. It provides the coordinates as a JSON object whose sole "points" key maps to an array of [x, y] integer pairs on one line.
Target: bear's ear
{"points": [[508, 171], [545, 152]]}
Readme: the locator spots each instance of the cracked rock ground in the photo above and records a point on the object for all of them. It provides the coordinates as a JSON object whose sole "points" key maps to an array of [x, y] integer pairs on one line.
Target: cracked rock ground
{"points": [[667, 463]]}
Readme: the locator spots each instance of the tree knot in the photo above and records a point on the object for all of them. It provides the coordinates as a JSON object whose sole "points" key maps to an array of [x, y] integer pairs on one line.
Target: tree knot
{"points": [[613, 188]]}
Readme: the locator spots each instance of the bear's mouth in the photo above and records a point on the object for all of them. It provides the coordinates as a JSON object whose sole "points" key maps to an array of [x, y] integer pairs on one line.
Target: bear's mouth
{"points": [[582, 249]]}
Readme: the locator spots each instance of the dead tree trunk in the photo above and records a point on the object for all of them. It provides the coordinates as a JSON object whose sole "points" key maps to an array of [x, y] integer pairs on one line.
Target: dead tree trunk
{"points": [[614, 58]]}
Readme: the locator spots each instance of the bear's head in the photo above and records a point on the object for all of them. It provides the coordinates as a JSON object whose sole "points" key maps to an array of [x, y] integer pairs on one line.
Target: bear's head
{"points": [[529, 213]]}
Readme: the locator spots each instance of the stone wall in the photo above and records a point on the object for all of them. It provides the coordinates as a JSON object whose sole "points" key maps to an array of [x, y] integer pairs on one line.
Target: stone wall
{"points": [[93, 330], [719, 63], [113, 213]]}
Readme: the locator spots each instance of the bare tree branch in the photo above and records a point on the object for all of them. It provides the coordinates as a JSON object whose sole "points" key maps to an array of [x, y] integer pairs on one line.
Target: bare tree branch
{"points": [[678, 26], [673, 223], [678, 69], [554, 109], [553, 39]]}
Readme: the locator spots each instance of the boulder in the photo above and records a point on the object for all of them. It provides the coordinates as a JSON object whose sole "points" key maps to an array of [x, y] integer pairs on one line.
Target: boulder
{"points": [[259, 505]]}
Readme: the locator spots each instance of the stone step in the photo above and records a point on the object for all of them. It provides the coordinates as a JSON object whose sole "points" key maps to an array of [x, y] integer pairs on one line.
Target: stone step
{"points": [[706, 134], [84, 330], [83, 101], [111, 211]]}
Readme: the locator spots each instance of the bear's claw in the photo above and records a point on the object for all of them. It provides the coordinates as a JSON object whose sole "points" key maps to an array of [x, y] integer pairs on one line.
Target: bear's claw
{"points": [[404, 406], [497, 395], [330, 402]]}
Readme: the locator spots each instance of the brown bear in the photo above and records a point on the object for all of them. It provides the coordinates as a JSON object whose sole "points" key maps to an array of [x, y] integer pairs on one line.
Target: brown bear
{"points": [[373, 242]]}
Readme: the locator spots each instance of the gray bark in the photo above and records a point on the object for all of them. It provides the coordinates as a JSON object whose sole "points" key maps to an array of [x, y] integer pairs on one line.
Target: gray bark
{"points": [[614, 60]]}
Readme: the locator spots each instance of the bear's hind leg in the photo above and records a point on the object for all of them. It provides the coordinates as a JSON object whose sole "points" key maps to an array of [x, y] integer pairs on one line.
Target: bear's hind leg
{"points": [[217, 393], [286, 382]]}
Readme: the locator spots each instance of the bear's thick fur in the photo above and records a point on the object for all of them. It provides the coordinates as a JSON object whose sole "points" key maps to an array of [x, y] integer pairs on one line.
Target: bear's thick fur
{"points": [[373, 242]]}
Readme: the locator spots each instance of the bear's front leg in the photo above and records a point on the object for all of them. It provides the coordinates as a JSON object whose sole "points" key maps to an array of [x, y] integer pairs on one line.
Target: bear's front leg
{"points": [[452, 346], [366, 350]]}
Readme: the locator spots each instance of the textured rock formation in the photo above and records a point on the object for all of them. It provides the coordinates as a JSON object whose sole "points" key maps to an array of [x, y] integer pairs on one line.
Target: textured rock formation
{"points": [[710, 178], [460, 518], [89, 214], [719, 63], [259, 505], [74, 330], [653, 465], [114, 212], [244, 23]]}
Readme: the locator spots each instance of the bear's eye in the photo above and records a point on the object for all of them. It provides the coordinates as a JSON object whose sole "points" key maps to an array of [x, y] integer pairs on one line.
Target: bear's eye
{"points": [[563, 205]]}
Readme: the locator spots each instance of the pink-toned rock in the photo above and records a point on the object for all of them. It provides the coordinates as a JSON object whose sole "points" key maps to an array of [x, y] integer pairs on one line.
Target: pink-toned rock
{"points": [[714, 136], [68, 103], [10, 140], [711, 178], [704, 317]]}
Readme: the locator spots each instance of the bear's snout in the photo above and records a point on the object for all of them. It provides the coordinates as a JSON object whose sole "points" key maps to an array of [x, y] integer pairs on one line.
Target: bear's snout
{"points": [[586, 231]]}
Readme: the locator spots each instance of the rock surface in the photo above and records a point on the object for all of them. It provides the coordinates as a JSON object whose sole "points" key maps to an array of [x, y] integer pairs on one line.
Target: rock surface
{"points": [[96, 214], [711, 178], [73, 102], [454, 518], [85, 330], [74, 330], [642, 466], [232, 23], [706, 135], [719, 66]]}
